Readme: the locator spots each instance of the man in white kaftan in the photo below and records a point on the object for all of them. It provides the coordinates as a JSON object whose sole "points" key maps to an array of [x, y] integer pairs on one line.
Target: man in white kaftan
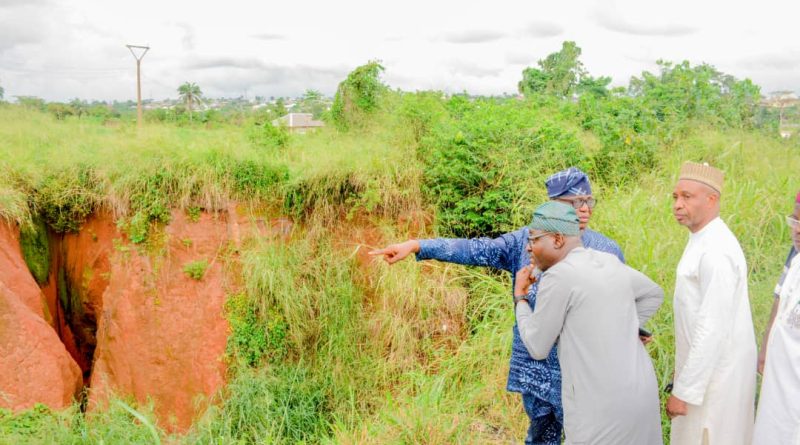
{"points": [[778, 419], [712, 400]]}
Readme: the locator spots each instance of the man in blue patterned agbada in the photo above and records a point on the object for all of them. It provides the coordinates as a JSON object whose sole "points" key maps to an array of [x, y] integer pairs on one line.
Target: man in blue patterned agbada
{"points": [[538, 381]]}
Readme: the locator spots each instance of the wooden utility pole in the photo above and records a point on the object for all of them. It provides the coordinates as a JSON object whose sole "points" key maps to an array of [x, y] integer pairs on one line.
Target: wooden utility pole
{"points": [[138, 80]]}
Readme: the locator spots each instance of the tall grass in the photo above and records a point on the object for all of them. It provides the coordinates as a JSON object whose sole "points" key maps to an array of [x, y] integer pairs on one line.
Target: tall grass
{"points": [[327, 347]]}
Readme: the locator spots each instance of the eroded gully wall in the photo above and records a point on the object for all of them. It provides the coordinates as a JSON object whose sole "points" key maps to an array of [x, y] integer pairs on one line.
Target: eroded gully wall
{"points": [[36, 367], [132, 322]]}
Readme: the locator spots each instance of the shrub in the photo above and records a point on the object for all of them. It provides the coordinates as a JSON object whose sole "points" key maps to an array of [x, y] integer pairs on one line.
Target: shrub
{"points": [[195, 269], [358, 96], [266, 135], [254, 337]]}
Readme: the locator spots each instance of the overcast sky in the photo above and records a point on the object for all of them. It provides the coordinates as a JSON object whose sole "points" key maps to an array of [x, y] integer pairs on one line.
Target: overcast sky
{"points": [[62, 49]]}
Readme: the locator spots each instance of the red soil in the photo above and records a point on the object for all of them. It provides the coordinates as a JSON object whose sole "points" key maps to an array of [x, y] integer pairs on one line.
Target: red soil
{"points": [[36, 368]]}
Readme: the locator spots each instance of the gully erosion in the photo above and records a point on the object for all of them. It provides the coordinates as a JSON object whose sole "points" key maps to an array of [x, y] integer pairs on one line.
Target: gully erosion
{"points": [[85, 315]]}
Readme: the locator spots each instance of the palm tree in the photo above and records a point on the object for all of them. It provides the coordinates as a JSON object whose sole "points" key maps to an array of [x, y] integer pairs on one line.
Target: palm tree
{"points": [[190, 93]]}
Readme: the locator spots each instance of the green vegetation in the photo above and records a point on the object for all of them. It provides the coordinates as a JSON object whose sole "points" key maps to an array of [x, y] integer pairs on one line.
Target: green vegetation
{"points": [[327, 349], [36, 249], [358, 96], [190, 93], [195, 269], [118, 423]]}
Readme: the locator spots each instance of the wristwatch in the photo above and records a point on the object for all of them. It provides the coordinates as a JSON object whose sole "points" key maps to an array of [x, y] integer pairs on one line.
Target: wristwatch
{"points": [[518, 298]]}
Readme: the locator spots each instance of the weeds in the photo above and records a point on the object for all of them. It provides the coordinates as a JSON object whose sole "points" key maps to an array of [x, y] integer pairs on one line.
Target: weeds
{"points": [[326, 348], [195, 269]]}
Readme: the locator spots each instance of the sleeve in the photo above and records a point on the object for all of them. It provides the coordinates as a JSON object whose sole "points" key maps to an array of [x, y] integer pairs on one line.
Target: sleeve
{"points": [[499, 253], [648, 295], [718, 283], [540, 328]]}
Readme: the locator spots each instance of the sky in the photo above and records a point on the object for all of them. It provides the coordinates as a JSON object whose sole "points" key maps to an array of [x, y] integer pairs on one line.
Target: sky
{"points": [[64, 49]]}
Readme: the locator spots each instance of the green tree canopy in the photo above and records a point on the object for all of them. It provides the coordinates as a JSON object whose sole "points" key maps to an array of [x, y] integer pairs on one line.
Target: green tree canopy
{"points": [[558, 74], [682, 91], [313, 102], [189, 93], [358, 95]]}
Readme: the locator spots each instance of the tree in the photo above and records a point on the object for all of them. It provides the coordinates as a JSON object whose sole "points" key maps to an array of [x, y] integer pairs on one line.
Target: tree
{"points": [[59, 110], [79, 107], [189, 93], [2, 91], [683, 92], [777, 99], [32, 102], [358, 95], [558, 74], [596, 86], [313, 102], [279, 108]]}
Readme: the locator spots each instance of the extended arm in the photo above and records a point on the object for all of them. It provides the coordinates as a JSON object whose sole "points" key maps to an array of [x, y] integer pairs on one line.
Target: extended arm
{"points": [[499, 252], [762, 354]]}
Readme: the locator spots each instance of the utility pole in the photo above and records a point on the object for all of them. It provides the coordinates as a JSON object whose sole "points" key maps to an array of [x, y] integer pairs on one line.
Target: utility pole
{"points": [[138, 80]]}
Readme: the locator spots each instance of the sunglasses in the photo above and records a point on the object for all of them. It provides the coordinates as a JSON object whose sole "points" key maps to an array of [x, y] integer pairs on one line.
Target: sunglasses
{"points": [[532, 239], [792, 221], [577, 203]]}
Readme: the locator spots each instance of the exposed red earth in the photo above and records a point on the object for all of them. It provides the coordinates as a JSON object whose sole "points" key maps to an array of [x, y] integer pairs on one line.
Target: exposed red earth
{"points": [[36, 366], [121, 318]]}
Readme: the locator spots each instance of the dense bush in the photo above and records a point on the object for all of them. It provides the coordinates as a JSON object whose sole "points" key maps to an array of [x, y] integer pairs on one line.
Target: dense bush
{"points": [[267, 135], [482, 166], [358, 96]]}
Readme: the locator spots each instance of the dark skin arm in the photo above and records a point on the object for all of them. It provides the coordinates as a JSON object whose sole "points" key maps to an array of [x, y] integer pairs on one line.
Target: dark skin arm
{"points": [[397, 252], [762, 354]]}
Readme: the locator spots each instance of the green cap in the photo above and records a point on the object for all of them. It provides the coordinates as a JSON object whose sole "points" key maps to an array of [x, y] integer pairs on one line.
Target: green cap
{"points": [[555, 217]]}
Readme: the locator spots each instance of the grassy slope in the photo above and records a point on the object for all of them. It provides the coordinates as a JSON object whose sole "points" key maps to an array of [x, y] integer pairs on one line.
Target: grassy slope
{"points": [[367, 354]]}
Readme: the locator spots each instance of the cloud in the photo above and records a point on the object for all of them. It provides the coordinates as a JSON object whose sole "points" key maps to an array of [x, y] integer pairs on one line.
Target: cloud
{"points": [[542, 29], [473, 36], [7, 4], [473, 70], [612, 20], [224, 62], [268, 36], [784, 61], [15, 31], [230, 77], [520, 58], [188, 36]]}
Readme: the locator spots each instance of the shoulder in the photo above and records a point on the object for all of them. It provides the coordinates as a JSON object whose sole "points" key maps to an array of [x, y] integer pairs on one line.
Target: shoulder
{"points": [[724, 244], [570, 267], [598, 241]]}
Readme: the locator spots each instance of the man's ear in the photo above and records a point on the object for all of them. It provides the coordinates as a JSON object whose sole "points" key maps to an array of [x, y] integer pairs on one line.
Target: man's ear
{"points": [[558, 240]]}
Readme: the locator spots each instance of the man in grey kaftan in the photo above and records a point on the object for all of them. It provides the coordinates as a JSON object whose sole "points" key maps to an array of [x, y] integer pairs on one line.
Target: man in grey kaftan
{"points": [[594, 304]]}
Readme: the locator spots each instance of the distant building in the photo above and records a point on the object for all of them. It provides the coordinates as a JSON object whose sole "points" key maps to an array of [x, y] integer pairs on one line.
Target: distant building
{"points": [[298, 122]]}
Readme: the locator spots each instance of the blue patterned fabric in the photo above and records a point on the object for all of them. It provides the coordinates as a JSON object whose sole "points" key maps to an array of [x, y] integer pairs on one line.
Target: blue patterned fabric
{"points": [[539, 378], [789, 258], [545, 428], [571, 181]]}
